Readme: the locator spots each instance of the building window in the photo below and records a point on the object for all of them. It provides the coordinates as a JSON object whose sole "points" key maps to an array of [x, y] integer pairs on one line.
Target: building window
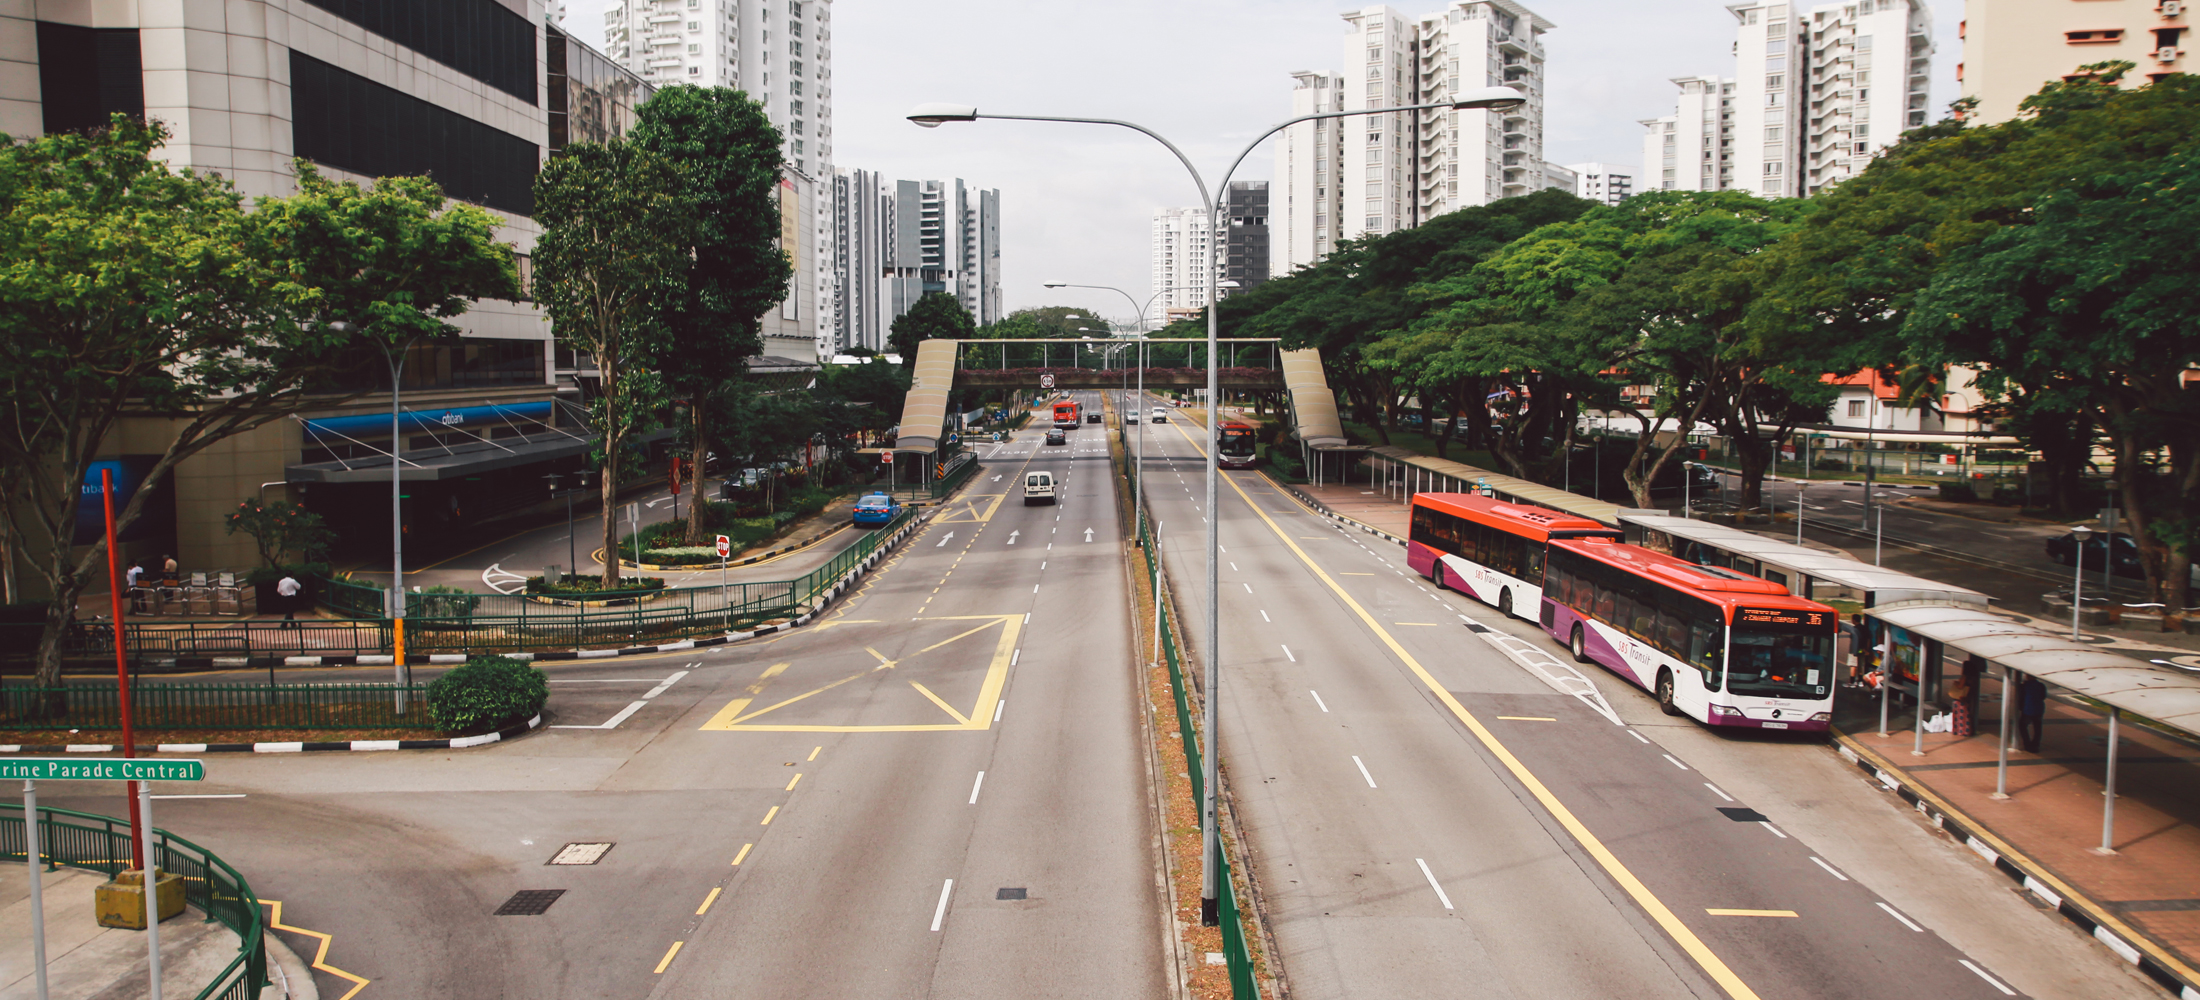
{"points": [[694, 49], [480, 38], [87, 74], [1856, 407], [1775, 81], [345, 121], [1772, 134], [695, 71]]}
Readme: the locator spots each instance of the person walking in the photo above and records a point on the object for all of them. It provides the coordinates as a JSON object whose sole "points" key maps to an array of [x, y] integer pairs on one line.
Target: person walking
{"points": [[1959, 698], [168, 570], [288, 589], [2031, 713]]}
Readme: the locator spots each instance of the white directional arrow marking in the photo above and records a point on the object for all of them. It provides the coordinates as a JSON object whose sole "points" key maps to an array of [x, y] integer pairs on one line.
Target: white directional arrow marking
{"points": [[1012, 537], [1088, 534], [996, 479], [943, 541]]}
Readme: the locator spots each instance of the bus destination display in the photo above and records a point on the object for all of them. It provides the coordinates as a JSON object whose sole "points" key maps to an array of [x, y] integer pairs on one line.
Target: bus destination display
{"points": [[1795, 620]]}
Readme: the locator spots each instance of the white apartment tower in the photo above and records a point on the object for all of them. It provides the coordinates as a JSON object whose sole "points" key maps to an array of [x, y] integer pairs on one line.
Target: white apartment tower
{"points": [[1819, 92], [780, 53], [894, 241], [1306, 174], [1692, 149], [1183, 262], [1603, 183], [1395, 171]]}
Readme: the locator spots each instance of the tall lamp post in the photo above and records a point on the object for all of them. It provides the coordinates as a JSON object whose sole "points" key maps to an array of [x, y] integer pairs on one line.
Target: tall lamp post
{"points": [[2079, 535], [934, 115], [1138, 453], [394, 355]]}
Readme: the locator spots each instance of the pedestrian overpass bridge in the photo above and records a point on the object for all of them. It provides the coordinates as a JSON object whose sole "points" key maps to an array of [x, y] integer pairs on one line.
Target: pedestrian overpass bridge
{"points": [[1246, 365]]}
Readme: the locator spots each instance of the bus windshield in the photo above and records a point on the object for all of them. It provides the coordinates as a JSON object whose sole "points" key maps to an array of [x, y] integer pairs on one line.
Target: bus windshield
{"points": [[1237, 440], [1775, 664]]}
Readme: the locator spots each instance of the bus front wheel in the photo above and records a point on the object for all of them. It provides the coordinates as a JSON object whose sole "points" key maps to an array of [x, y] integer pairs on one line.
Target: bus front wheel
{"points": [[1580, 646], [1665, 693]]}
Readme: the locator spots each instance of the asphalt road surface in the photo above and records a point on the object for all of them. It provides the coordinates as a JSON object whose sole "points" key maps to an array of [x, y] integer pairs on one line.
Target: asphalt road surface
{"points": [[1427, 813], [940, 790]]}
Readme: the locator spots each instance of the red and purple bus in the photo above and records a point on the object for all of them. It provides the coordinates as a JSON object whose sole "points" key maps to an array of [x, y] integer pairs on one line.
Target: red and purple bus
{"points": [[1720, 647], [1489, 549], [1236, 445]]}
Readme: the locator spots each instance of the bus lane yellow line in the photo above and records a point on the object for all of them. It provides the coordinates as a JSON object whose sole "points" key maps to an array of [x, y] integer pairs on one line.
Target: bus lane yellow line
{"points": [[1701, 953]]}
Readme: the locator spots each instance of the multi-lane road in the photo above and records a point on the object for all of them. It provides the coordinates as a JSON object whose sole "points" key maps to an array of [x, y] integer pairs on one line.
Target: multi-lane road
{"points": [[942, 789]]}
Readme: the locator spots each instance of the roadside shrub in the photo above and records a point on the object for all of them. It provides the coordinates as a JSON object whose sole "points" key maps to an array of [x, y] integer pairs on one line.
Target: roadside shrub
{"points": [[581, 586], [441, 602], [486, 694]]}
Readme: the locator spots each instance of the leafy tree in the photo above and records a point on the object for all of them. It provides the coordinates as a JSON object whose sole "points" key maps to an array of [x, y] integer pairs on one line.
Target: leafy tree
{"points": [[131, 287], [2097, 292], [617, 219], [936, 316], [281, 528], [711, 309]]}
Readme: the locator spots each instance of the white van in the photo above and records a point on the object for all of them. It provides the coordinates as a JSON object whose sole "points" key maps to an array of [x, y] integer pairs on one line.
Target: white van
{"points": [[1038, 488], [1160, 415]]}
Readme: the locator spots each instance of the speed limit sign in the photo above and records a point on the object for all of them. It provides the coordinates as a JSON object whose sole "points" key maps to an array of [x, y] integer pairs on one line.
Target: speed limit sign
{"points": [[725, 546], [1046, 381]]}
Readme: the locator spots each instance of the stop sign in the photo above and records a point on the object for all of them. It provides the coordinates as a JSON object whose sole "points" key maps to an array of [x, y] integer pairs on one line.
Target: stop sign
{"points": [[725, 546], [1046, 381]]}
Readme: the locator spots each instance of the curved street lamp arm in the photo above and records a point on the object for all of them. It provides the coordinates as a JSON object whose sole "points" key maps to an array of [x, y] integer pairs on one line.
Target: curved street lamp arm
{"points": [[1205, 201]]}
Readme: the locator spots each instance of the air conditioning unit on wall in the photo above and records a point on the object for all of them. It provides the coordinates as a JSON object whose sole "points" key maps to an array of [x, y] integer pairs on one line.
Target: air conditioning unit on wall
{"points": [[2167, 53]]}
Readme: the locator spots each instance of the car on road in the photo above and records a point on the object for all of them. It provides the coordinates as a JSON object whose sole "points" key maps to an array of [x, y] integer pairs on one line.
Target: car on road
{"points": [[1038, 488], [1130, 416], [1057, 436], [1160, 415], [1093, 417], [2126, 549], [876, 508]]}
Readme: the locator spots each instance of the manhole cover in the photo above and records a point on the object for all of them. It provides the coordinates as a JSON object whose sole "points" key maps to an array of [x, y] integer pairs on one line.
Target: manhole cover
{"points": [[529, 902], [579, 854], [1012, 894], [1743, 815]]}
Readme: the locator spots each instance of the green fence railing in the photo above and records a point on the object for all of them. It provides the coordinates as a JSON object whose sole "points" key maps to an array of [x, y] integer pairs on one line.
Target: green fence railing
{"points": [[102, 844], [1236, 954], [211, 706]]}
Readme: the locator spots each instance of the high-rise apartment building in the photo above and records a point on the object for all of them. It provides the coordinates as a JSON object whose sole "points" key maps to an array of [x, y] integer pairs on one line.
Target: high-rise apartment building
{"points": [[2012, 47], [894, 241], [1691, 149], [1183, 262], [1373, 174], [1605, 183], [780, 53], [1245, 244], [1819, 92]]}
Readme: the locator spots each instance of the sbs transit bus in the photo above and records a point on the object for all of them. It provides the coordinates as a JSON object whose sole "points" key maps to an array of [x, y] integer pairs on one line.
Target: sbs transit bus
{"points": [[1067, 415], [1235, 445], [1722, 648], [1489, 549]]}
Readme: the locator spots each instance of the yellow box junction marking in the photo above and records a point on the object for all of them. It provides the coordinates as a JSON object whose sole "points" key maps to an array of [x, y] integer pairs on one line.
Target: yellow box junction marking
{"points": [[977, 509], [1712, 965], [736, 716]]}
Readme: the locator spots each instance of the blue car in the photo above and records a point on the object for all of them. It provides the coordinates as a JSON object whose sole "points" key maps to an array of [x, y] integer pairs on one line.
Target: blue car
{"points": [[877, 508]]}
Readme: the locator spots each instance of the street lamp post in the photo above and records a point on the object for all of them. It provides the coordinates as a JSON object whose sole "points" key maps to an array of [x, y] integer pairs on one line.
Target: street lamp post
{"points": [[2079, 535], [1138, 453], [394, 355], [936, 114]]}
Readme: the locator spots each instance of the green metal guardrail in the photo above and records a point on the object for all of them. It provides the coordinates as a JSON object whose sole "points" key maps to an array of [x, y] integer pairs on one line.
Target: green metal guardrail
{"points": [[102, 844], [210, 706], [1243, 984], [498, 623]]}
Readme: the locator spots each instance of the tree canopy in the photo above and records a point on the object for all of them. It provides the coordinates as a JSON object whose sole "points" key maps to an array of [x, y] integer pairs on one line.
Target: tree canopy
{"points": [[935, 316]]}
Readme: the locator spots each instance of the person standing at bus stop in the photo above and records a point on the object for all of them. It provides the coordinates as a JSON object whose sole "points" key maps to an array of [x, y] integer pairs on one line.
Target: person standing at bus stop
{"points": [[2031, 713]]}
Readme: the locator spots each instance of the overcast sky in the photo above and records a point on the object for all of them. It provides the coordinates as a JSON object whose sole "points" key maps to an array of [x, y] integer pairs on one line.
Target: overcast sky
{"points": [[1077, 201]]}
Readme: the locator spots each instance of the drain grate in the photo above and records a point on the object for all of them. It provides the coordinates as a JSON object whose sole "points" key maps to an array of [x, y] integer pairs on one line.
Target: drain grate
{"points": [[1741, 814], [529, 902], [579, 854], [1012, 894]]}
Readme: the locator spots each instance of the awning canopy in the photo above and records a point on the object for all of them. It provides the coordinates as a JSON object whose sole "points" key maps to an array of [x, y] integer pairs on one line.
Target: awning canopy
{"points": [[924, 409], [2165, 694], [427, 465], [1313, 404], [1871, 585], [1508, 488]]}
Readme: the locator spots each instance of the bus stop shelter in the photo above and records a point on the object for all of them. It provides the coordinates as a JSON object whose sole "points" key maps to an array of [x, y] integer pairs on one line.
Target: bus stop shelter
{"points": [[1806, 572]]}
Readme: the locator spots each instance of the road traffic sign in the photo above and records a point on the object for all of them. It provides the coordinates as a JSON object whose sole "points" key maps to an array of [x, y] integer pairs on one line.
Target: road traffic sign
{"points": [[885, 458], [725, 546], [1046, 381], [102, 769]]}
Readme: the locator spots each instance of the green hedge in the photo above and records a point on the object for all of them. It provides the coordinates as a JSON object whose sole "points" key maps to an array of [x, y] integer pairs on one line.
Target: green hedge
{"points": [[581, 586], [486, 694]]}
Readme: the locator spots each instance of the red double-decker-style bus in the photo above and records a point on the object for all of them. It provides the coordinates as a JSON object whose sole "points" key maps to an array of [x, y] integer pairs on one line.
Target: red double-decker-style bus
{"points": [[1722, 648], [1236, 445], [1489, 549], [1067, 415]]}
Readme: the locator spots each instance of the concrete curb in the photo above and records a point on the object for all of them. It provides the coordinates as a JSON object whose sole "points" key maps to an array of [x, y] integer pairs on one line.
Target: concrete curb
{"points": [[456, 743], [2087, 915], [1318, 508], [625, 563]]}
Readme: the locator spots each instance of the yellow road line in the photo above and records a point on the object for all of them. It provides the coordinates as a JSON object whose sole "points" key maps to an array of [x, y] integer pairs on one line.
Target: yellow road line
{"points": [[320, 955], [1663, 915], [1751, 913], [667, 960], [1526, 718], [791, 784], [768, 816], [814, 751], [942, 703], [744, 853], [707, 900]]}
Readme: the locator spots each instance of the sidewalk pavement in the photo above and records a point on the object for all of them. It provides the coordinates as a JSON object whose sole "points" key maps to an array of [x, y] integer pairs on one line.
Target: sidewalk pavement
{"points": [[2142, 901], [84, 959]]}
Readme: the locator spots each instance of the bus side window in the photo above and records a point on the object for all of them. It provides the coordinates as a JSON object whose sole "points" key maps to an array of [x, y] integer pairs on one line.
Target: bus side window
{"points": [[1534, 574]]}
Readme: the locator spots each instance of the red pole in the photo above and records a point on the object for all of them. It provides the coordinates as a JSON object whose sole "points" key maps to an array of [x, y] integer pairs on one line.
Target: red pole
{"points": [[122, 662]]}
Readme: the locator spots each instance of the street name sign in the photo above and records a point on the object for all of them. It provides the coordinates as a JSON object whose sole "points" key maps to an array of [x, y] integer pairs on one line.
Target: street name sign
{"points": [[101, 769]]}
